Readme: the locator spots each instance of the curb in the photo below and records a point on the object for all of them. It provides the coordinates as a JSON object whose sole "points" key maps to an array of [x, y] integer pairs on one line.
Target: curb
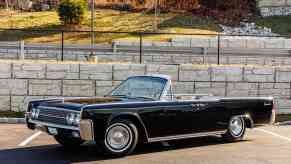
{"points": [[7, 120], [284, 123]]}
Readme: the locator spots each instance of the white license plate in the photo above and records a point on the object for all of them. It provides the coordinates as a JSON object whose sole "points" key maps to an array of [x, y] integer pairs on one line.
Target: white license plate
{"points": [[52, 131]]}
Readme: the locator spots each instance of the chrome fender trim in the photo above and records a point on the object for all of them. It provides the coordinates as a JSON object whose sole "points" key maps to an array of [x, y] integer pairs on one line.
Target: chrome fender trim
{"points": [[184, 136]]}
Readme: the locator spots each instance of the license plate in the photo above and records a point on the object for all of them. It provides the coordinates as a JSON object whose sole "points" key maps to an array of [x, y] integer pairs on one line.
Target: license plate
{"points": [[52, 131]]}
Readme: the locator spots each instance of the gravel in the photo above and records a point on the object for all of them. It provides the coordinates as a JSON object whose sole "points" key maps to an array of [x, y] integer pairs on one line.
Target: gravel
{"points": [[247, 29]]}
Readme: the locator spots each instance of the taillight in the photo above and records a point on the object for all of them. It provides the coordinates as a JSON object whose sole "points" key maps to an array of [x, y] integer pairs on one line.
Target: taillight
{"points": [[273, 113]]}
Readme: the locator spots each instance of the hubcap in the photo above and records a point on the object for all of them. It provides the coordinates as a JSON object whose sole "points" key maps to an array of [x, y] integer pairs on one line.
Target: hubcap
{"points": [[118, 137], [236, 126]]}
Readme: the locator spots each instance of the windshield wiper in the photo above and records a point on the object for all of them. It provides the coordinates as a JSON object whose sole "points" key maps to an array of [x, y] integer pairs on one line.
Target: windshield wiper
{"points": [[126, 96], [142, 97]]}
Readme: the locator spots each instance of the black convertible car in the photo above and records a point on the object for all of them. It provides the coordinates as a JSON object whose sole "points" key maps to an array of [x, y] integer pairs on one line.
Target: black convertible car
{"points": [[143, 109]]}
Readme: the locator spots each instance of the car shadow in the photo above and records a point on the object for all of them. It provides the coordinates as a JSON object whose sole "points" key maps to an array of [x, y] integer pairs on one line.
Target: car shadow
{"points": [[56, 154]]}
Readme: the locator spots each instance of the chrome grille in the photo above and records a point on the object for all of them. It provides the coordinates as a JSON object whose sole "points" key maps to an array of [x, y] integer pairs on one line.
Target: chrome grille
{"points": [[53, 115]]}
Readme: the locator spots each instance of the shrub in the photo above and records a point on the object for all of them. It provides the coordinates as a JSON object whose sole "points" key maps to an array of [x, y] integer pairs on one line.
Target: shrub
{"points": [[72, 11]]}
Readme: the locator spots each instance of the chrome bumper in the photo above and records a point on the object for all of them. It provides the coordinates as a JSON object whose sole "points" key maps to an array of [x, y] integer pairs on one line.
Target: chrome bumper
{"points": [[86, 128]]}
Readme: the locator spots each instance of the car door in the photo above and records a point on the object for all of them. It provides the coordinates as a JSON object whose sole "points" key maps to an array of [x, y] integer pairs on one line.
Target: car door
{"points": [[162, 119], [206, 116], [184, 117]]}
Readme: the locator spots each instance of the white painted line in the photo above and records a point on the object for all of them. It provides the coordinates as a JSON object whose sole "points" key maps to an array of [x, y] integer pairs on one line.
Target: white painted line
{"points": [[274, 134], [29, 139]]}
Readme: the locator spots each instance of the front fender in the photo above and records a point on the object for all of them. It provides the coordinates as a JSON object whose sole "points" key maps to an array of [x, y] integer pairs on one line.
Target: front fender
{"points": [[133, 117]]}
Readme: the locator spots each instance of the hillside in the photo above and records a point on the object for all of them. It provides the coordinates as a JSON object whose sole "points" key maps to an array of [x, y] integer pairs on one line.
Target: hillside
{"points": [[106, 20], [113, 20]]}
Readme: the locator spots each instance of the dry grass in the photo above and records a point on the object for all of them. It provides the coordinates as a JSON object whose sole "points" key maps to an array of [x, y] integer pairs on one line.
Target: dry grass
{"points": [[106, 20]]}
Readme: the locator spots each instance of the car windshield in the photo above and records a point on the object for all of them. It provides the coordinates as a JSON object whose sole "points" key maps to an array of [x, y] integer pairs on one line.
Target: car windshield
{"points": [[140, 87]]}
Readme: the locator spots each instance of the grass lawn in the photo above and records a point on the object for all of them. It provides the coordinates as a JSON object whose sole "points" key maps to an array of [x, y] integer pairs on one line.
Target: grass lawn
{"points": [[11, 114], [106, 20], [279, 24]]}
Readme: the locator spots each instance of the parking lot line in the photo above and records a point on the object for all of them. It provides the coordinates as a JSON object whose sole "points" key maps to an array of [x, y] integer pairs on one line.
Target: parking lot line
{"points": [[29, 139], [274, 134]]}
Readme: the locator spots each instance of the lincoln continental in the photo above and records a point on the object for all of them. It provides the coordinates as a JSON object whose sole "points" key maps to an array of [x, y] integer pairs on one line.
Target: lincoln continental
{"points": [[144, 109]]}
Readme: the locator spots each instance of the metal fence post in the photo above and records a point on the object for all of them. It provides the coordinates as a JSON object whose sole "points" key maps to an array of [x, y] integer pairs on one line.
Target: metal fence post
{"points": [[21, 57], [62, 53], [218, 49], [140, 48]]}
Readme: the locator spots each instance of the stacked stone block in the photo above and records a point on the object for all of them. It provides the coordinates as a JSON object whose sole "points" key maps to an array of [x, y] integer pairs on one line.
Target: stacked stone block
{"points": [[22, 82]]}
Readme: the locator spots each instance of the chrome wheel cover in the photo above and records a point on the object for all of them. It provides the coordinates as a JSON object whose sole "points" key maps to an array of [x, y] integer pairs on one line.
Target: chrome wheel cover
{"points": [[236, 126], [118, 137]]}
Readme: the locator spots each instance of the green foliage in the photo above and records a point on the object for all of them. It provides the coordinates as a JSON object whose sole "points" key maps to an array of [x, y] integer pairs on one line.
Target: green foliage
{"points": [[72, 12], [11, 114], [278, 24]]}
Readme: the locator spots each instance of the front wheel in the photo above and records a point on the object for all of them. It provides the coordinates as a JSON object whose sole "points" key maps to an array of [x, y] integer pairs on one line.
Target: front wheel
{"points": [[121, 138], [236, 129], [68, 142]]}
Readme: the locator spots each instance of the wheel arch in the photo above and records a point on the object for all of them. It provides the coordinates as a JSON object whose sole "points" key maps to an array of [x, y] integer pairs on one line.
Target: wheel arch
{"points": [[248, 120], [137, 121]]}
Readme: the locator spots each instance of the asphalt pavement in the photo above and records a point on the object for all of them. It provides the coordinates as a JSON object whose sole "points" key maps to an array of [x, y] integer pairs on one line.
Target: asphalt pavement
{"points": [[264, 145]]}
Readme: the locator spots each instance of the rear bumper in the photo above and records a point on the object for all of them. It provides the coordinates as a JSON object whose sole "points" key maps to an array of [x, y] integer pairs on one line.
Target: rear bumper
{"points": [[273, 117], [85, 129]]}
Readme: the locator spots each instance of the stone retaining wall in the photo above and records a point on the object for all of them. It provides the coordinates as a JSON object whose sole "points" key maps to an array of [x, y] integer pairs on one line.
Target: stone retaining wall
{"points": [[22, 82]]}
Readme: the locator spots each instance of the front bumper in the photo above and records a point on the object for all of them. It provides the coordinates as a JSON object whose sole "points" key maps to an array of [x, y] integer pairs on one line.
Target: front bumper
{"points": [[85, 129]]}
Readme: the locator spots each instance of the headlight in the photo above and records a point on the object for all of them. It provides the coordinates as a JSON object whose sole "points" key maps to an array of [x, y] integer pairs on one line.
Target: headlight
{"points": [[70, 118], [77, 119], [73, 119]]}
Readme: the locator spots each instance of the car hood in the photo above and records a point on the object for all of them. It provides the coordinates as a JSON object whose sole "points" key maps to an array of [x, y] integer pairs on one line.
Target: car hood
{"points": [[77, 104]]}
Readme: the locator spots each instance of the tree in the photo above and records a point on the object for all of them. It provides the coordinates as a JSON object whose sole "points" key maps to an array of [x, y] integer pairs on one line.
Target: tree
{"points": [[72, 12]]}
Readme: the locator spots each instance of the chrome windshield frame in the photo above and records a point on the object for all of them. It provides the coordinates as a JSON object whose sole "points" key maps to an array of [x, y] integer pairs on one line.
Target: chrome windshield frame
{"points": [[163, 92]]}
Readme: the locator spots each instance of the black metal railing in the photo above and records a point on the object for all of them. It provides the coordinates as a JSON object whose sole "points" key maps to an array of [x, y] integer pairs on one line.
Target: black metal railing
{"points": [[65, 36]]}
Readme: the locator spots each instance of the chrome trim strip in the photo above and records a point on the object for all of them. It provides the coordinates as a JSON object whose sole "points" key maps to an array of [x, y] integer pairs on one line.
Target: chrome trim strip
{"points": [[50, 116], [54, 108], [184, 136], [54, 125], [247, 98]]}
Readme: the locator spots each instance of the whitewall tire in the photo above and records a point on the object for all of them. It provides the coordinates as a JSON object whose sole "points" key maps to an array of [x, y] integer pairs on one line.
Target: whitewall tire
{"points": [[121, 138], [236, 129]]}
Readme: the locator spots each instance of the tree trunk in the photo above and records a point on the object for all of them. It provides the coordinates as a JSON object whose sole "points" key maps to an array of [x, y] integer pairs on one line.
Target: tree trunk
{"points": [[7, 4]]}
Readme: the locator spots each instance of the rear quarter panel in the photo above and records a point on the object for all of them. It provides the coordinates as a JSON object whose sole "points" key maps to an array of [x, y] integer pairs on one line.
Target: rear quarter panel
{"points": [[259, 109]]}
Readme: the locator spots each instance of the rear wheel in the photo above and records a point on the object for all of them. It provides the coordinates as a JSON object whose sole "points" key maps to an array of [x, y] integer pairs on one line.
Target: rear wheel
{"points": [[236, 129], [121, 138], [68, 142]]}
